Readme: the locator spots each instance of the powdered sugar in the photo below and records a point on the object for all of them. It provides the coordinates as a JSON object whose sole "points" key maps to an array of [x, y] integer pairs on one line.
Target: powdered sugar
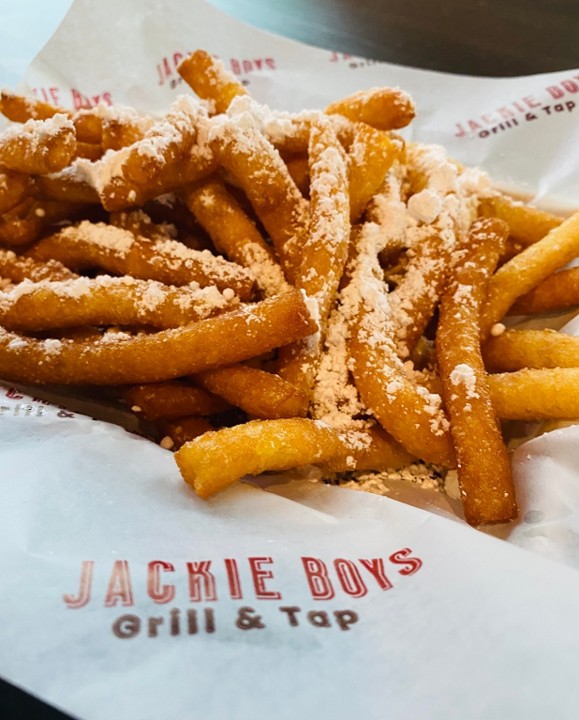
{"points": [[52, 346], [497, 329], [101, 234], [423, 475], [464, 376], [425, 206], [264, 268], [36, 131]]}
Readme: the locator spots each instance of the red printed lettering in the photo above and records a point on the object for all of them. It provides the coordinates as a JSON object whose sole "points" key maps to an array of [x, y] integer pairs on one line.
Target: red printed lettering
{"points": [[376, 568], [402, 557], [13, 394], [570, 85], [260, 576], [119, 588], [158, 592], [318, 580], [199, 576], [49, 95], [240, 67], [531, 102], [473, 125], [350, 578], [80, 101], [233, 579], [505, 113], [555, 92], [83, 596]]}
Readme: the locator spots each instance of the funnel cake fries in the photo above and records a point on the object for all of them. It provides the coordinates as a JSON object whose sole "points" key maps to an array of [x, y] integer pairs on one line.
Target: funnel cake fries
{"points": [[106, 300], [115, 250], [269, 290], [38, 147], [484, 473]]}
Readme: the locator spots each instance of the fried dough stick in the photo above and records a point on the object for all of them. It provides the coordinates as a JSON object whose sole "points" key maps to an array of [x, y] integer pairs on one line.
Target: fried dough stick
{"points": [[104, 126], [172, 399], [105, 300], [258, 167], [163, 144], [38, 147], [18, 268], [484, 473], [87, 122], [414, 299], [373, 449], [382, 108], [19, 108], [27, 222], [118, 251], [289, 133], [324, 252], [178, 431], [170, 153], [529, 268], [14, 188], [559, 291], [519, 349], [121, 131], [404, 408], [234, 233], [536, 394], [370, 156], [259, 393], [407, 410], [215, 460], [119, 358], [65, 186], [527, 224], [436, 185], [210, 80]]}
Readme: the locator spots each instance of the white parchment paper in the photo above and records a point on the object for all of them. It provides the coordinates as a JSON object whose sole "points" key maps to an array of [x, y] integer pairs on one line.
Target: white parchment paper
{"points": [[450, 623], [124, 595]]}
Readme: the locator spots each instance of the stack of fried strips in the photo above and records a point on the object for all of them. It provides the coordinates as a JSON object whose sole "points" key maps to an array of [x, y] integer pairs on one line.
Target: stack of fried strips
{"points": [[278, 289]]}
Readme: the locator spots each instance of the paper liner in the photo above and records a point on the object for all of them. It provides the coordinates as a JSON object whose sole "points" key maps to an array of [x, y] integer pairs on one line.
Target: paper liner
{"points": [[404, 611]]}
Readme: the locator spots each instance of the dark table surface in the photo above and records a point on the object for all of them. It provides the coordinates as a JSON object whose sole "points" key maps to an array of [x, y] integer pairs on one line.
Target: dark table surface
{"points": [[473, 37], [476, 37]]}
